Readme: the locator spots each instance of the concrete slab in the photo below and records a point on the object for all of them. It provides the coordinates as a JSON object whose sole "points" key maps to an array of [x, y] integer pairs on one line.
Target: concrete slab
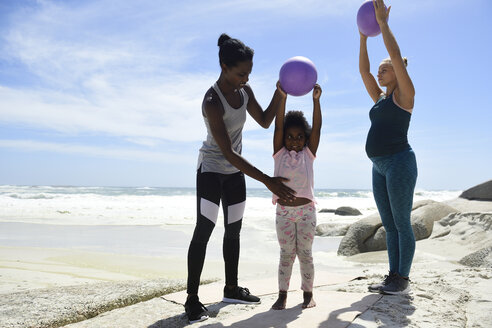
{"points": [[212, 293], [333, 310]]}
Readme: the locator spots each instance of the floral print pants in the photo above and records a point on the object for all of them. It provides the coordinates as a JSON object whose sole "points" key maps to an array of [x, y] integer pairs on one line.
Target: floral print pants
{"points": [[295, 232]]}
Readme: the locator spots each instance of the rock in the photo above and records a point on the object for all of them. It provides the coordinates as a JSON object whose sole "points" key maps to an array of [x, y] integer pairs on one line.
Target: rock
{"points": [[481, 258], [327, 210], [347, 211], [353, 241], [331, 229], [423, 218], [422, 203], [482, 221], [480, 192], [375, 242], [368, 234], [60, 306], [471, 234], [464, 205]]}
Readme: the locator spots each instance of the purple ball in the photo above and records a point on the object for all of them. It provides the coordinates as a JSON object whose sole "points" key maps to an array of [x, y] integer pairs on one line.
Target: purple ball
{"points": [[298, 76], [366, 19]]}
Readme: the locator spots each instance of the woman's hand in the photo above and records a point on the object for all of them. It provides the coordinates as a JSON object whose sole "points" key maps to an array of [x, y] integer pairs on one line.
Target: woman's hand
{"points": [[382, 13], [316, 92], [276, 185]]}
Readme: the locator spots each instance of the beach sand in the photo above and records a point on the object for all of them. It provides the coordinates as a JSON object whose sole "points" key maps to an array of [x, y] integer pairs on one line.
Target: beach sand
{"points": [[54, 287]]}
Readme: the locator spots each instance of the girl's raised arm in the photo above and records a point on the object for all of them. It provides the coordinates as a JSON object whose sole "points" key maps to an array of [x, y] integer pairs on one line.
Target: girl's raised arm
{"points": [[278, 135], [313, 141]]}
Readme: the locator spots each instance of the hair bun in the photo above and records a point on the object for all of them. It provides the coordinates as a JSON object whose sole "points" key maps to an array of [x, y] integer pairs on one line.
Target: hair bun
{"points": [[232, 51], [223, 38]]}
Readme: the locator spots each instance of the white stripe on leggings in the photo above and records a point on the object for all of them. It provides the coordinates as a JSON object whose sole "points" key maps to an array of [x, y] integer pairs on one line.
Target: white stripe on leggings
{"points": [[236, 212], [209, 210]]}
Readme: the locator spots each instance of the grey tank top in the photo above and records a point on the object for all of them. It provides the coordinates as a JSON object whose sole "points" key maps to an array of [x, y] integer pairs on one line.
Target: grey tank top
{"points": [[210, 157]]}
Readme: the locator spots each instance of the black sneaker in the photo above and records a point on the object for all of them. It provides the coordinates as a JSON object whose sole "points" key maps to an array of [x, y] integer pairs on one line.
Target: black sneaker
{"points": [[195, 310], [239, 295], [376, 288], [398, 285]]}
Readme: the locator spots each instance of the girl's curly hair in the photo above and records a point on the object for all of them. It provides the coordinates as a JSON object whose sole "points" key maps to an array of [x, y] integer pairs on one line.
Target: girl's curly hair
{"points": [[297, 118]]}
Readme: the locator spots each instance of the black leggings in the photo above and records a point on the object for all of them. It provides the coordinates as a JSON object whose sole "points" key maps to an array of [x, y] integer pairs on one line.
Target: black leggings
{"points": [[211, 189]]}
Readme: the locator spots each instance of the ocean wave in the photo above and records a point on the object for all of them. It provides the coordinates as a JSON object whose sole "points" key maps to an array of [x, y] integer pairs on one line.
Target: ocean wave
{"points": [[344, 193], [30, 196], [95, 190]]}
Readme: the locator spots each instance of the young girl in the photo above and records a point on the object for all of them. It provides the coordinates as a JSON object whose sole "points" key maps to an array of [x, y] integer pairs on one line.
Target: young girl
{"points": [[295, 144], [394, 170]]}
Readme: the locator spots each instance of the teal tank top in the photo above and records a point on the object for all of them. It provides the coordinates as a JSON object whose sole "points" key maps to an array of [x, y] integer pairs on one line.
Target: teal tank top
{"points": [[389, 127]]}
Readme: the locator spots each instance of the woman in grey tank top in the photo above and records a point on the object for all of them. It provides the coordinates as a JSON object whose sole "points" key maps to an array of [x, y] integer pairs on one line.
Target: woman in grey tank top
{"points": [[221, 169]]}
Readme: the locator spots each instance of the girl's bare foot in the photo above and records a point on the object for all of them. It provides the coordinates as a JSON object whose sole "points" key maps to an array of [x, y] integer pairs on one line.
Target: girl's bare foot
{"points": [[308, 300], [281, 301]]}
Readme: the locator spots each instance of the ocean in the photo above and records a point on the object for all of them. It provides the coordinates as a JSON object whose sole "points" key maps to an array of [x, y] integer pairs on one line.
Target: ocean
{"points": [[71, 205], [154, 221]]}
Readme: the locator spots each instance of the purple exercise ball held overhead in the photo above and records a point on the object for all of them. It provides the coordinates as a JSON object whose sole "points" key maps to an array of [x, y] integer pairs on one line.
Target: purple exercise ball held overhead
{"points": [[366, 19], [298, 76]]}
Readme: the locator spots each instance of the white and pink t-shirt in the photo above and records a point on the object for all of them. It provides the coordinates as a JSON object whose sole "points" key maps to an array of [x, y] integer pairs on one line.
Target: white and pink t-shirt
{"points": [[298, 168]]}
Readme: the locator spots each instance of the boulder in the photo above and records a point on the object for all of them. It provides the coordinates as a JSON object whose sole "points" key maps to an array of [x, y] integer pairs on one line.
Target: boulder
{"points": [[481, 258], [331, 229], [368, 234], [347, 211], [422, 203], [464, 205], [480, 192], [461, 223], [423, 218], [470, 233], [353, 241], [327, 210]]}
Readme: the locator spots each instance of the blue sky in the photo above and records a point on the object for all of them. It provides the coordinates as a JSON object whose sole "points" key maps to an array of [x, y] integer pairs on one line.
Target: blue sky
{"points": [[108, 93]]}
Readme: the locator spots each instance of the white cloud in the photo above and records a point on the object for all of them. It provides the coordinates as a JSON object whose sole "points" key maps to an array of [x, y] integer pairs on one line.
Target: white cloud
{"points": [[168, 110], [95, 151]]}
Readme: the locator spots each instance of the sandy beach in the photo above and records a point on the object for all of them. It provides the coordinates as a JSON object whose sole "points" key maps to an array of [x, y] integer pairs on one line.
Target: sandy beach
{"points": [[64, 287]]}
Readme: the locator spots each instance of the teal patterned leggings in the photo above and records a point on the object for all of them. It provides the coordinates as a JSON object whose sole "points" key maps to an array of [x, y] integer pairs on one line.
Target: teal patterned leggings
{"points": [[393, 184]]}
